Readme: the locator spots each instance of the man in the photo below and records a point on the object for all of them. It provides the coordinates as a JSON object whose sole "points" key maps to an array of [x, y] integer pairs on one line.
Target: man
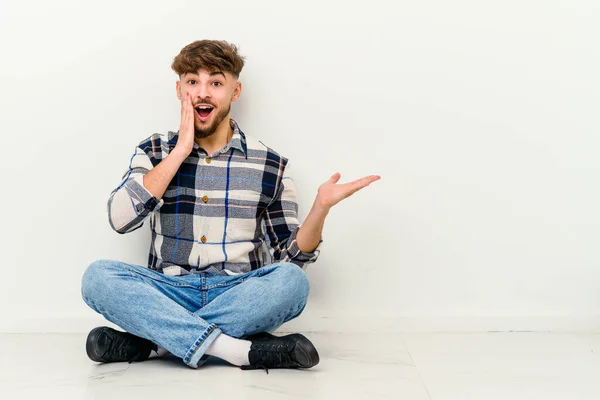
{"points": [[215, 197]]}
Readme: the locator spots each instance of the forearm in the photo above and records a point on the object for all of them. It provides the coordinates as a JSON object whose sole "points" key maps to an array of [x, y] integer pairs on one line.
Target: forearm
{"points": [[158, 178], [310, 232]]}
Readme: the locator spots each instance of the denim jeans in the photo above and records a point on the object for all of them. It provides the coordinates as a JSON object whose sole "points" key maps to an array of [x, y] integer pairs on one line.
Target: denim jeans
{"points": [[185, 314]]}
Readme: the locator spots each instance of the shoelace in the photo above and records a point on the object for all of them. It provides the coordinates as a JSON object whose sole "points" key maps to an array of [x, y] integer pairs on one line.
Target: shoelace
{"points": [[274, 354], [124, 346]]}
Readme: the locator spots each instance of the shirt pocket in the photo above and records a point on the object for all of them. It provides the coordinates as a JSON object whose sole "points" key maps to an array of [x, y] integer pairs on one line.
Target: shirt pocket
{"points": [[175, 217], [244, 208], [175, 225]]}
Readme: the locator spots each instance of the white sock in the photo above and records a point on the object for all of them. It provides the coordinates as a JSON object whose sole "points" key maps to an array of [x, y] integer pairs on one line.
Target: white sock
{"points": [[234, 351]]}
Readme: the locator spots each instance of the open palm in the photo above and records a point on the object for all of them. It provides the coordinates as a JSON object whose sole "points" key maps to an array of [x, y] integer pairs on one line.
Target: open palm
{"points": [[330, 193]]}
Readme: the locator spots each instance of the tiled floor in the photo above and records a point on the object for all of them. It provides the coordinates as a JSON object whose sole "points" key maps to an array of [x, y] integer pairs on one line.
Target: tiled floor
{"points": [[437, 366]]}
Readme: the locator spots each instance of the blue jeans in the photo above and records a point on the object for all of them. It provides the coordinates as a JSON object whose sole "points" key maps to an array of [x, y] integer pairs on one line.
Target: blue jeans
{"points": [[185, 314]]}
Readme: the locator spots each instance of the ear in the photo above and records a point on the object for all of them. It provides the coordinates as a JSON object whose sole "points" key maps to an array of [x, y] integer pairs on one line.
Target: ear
{"points": [[177, 88], [236, 92]]}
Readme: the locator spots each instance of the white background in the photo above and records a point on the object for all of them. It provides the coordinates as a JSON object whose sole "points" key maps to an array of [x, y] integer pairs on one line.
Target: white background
{"points": [[481, 118]]}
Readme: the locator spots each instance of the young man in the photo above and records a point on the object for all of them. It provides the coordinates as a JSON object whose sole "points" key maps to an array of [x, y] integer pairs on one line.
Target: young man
{"points": [[215, 198]]}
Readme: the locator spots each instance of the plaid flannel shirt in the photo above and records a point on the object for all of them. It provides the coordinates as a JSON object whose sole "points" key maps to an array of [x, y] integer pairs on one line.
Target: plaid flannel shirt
{"points": [[228, 213]]}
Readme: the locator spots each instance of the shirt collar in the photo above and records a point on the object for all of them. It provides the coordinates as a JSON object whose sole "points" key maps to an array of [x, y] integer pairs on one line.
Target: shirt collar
{"points": [[238, 140]]}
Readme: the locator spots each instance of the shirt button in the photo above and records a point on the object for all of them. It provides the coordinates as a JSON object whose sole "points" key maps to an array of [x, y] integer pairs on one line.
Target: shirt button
{"points": [[208, 160], [205, 199], [203, 239]]}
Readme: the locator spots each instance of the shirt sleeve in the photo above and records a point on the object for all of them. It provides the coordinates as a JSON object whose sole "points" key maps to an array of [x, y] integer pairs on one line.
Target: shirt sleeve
{"points": [[130, 203], [281, 226]]}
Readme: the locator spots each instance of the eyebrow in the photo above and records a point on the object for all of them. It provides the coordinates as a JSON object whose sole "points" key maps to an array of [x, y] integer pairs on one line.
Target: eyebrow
{"points": [[211, 74]]}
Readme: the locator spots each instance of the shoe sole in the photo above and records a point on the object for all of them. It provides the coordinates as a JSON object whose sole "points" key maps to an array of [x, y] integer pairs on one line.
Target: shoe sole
{"points": [[305, 352]]}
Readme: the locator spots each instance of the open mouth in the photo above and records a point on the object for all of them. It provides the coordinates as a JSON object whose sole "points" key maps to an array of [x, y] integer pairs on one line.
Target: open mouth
{"points": [[204, 112]]}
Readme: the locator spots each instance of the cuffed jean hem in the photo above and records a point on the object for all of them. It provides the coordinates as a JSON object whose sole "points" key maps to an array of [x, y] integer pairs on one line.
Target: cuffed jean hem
{"points": [[194, 357]]}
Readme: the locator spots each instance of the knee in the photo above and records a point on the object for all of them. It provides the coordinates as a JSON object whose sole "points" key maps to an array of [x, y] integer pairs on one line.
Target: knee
{"points": [[293, 282], [282, 296], [94, 278]]}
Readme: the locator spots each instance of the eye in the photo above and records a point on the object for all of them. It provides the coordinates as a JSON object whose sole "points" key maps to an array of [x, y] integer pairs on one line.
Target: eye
{"points": [[191, 80], [220, 84]]}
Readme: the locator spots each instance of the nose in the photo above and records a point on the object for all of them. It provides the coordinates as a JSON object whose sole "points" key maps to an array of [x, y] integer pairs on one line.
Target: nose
{"points": [[202, 92]]}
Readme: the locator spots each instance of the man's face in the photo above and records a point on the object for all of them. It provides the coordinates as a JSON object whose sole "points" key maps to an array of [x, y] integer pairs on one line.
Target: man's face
{"points": [[216, 90]]}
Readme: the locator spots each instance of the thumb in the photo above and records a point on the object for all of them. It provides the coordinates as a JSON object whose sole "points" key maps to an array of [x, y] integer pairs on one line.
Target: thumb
{"points": [[335, 177]]}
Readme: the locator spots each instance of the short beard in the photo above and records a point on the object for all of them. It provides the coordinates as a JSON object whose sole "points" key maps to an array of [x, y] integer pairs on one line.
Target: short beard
{"points": [[210, 130]]}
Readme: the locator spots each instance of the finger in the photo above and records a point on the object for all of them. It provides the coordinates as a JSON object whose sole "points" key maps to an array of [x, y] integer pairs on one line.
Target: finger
{"points": [[188, 103], [358, 184], [372, 178], [357, 188], [367, 180], [191, 109], [352, 191], [185, 105], [184, 108], [335, 177], [182, 103]]}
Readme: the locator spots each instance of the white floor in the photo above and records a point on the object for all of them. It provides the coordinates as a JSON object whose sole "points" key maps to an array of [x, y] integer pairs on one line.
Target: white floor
{"points": [[437, 366]]}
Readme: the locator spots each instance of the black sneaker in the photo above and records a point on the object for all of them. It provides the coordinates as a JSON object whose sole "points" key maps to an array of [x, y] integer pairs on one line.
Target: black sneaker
{"points": [[290, 351], [106, 345]]}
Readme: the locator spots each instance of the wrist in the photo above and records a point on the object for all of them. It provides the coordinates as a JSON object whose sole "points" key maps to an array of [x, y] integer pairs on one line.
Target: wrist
{"points": [[180, 153], [320, 208]]}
